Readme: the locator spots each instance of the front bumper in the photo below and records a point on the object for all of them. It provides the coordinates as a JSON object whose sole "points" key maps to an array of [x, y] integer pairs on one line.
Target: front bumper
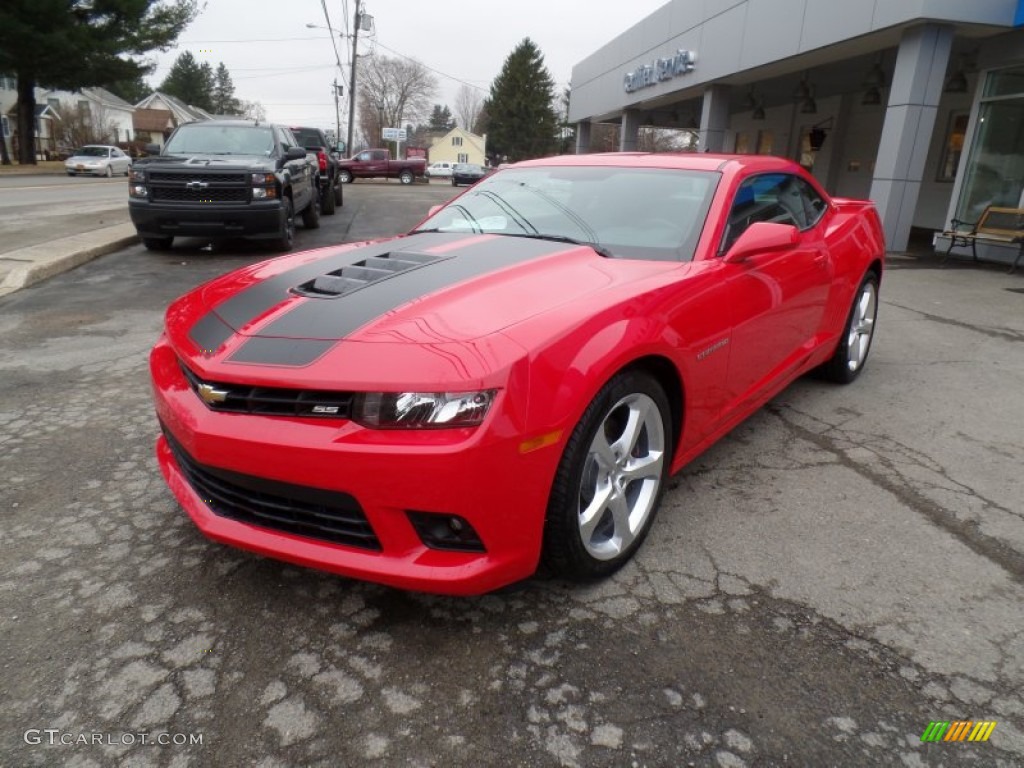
{"points": [[257, 220], [477, 474]]}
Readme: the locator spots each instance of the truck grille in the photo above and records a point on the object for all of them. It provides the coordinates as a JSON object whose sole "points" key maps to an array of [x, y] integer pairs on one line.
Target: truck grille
{"points": [[198, 187], [270, 401], [313, 513]]}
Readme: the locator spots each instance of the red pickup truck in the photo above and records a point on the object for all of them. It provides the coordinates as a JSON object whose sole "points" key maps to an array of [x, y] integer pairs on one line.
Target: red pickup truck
{"points": [[377, 163]]}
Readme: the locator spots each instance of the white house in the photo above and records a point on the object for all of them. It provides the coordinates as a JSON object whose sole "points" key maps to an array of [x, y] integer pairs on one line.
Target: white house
{"points": [[109, 112]]}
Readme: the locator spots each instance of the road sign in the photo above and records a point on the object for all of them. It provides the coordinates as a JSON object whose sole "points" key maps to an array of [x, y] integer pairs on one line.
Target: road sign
{"points": [[393, 134]]}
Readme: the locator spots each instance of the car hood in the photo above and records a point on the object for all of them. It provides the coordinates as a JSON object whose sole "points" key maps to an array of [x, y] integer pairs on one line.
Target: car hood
{"points": [[425, 289], [220, 162]]}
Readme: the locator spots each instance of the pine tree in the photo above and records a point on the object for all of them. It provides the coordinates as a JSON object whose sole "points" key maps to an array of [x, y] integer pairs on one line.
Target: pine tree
{"points": [[190, 81], [76, 45], [441, 119], [520, 121], [224, 101]]}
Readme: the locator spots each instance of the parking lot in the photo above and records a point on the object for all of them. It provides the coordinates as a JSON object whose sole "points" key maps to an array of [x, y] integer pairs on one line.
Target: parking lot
{"points": [[844, 568]]}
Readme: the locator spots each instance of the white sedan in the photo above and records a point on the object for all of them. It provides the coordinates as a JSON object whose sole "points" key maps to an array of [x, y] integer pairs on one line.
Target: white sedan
{"points": [[98, 160]]}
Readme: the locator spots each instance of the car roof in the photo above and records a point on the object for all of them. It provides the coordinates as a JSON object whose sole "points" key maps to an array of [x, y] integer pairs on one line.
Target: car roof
{"points": [[689, 161]]}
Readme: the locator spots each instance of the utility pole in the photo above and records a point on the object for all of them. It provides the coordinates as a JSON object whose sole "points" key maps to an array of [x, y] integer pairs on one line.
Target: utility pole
{"points": [[337, 114], [352, 83]]}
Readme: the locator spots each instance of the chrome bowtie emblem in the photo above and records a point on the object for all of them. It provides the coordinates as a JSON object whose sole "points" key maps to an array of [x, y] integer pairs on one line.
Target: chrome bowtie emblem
{"points": [[210, 394], [195, 185]]}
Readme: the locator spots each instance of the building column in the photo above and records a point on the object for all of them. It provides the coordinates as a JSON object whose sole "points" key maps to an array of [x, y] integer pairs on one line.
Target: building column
{"points": [[630, 131], [909, 121], [714, 118], [582, 137]]}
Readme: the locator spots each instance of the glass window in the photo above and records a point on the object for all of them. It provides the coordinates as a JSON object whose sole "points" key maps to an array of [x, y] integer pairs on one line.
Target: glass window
{"points": [[953, 146], [456, 141], [633, 213], [778, 198], [995, 167]]}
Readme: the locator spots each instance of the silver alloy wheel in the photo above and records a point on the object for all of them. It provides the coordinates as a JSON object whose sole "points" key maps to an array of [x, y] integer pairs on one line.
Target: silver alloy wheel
{"points": [[862, 325], [621, 476]]}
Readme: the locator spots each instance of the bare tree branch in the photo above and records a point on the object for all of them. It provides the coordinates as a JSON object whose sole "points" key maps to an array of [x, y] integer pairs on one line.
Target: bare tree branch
{"points": [[468, 102]]}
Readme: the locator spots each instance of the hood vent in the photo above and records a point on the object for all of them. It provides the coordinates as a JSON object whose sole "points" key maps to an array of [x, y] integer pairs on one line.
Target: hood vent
{"points": [[351, 278]]}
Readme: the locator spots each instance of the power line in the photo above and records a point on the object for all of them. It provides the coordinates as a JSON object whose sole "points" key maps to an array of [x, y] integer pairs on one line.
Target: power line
{"points": [[427, 66]]}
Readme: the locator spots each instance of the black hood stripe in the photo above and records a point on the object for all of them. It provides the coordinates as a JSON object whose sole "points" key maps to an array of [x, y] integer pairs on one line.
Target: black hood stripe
{"points": [[319, 323]]}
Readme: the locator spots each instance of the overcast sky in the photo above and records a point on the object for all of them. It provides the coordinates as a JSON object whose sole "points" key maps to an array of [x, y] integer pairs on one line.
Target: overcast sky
{"points": [[276, 60]]}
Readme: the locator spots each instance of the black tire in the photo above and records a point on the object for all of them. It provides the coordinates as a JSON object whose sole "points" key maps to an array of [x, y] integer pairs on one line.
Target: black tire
{"points": [[109, 172], [327, 202], [345, 177], [157, 243], [570, 551], [311, 214], [71, 173], [406, 177], [287, 238], [453, 183], [338, 195], [854, 344]]}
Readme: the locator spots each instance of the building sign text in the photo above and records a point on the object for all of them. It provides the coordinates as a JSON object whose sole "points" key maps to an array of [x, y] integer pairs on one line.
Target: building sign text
{"points": [[662, 69]]}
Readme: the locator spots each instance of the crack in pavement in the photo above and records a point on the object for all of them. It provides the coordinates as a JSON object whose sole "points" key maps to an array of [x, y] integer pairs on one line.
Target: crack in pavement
{"points": [[995, 333], [968, 532]]}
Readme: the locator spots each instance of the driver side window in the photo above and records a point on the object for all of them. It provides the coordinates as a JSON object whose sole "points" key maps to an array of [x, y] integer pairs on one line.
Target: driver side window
{"points": [[779, 198]]}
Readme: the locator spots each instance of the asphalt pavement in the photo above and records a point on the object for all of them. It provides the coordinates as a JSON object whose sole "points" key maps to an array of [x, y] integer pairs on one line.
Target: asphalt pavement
{"points": [[843, 569]]}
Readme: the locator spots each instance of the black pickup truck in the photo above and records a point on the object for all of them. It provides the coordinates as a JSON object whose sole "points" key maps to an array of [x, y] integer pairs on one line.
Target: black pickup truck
{"points": [[224, 178], [314, 140]]}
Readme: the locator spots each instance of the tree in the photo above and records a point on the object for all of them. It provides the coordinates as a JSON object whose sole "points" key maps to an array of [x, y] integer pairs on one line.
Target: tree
{"points": [[441, 120], [252, 110], [521, 122], [132, 89], [224, 101], [392, 92], [191, 82], [468, 102], [73, 45], [77, 125]]}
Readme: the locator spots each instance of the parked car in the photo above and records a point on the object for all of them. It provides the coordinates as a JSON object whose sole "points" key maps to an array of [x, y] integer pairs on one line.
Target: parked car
{"points": [[440, 170], [467, 173], [224, 178], [377, 163], [98, 160], [314, 141], [395, 411]]}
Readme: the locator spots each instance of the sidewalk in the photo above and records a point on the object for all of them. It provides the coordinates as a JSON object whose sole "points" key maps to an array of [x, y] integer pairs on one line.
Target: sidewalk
{"points": [[25, 266], [42, 168]]}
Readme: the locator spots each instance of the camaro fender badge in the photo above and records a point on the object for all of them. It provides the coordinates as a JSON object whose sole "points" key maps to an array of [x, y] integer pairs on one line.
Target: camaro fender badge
{"points": [[210, 394], [713, 348]]}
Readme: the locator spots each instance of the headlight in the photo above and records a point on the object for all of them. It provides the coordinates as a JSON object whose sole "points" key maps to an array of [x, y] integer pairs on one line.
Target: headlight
{"points": [[422, 410], [138, 177], [136, 190], [259, 179]]}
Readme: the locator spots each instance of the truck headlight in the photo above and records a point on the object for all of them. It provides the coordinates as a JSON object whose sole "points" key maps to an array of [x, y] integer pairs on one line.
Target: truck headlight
{"points": [[422, 410]]}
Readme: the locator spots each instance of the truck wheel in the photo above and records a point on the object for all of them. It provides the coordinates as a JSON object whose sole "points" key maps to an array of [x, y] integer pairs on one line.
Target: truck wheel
{"points": [[345, 177], [287, 237], [311, 215], [406, 177], [157, 243], [327, 203], [338, 198]]}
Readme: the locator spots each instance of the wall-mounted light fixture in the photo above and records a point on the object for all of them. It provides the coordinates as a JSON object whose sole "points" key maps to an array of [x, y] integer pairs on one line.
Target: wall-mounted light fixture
{"points": [[957, 82], [818, 133]]}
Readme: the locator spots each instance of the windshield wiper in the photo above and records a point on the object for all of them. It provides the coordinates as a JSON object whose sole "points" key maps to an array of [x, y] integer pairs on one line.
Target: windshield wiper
{"points": [[598, 249]]}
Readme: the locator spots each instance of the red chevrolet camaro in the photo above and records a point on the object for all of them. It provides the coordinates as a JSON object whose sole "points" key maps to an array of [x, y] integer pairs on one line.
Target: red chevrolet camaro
{"points": [[514, 380]]}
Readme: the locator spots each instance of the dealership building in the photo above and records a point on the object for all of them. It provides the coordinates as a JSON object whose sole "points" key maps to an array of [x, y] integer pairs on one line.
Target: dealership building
{"points": [[915, 104]]}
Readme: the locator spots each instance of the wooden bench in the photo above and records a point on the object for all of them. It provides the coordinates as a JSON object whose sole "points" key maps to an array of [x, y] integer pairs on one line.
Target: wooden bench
{"points": [[996, 225]]}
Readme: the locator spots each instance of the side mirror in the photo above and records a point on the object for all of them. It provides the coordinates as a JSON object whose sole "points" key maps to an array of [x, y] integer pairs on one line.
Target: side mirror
{"points": [[151, 149], [295, 153], [762, 237]]}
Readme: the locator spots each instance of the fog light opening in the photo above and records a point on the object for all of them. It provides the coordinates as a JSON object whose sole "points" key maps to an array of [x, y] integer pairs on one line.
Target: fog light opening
{"points": [[452, 533]]}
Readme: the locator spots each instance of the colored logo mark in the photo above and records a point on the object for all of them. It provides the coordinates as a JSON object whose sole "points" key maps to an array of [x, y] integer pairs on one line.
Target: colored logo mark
{"points": [[958, 730]]}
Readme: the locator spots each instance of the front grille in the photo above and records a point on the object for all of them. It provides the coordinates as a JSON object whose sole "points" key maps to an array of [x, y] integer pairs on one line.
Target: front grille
{"points": [[181, 178], [184, 186], [209, 195], [313, 513], [270, 401]]}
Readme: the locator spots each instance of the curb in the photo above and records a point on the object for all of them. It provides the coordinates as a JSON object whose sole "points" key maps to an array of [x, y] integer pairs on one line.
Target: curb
{"points": [[48, 259]]}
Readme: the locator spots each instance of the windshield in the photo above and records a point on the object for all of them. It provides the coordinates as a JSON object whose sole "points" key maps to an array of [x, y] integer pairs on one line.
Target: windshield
{"points": [[91, 152], [640, 213], [221, 140]]}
